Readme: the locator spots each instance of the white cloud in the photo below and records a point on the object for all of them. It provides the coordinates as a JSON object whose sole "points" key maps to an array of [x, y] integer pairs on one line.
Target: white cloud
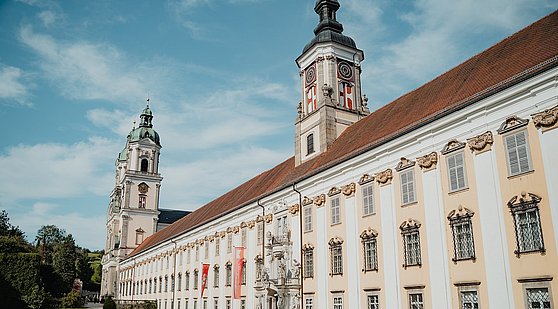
{"points": [[77, 224], [56, 170], [14, 85], [48, 17]]}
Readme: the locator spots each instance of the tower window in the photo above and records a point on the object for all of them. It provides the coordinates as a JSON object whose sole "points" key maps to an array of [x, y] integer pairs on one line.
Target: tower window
{"points": [[310, 144], [144, 165], [142, 201]]}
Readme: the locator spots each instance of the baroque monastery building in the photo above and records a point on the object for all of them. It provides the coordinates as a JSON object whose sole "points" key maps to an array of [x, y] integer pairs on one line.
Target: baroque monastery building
{"points": [[445, 198]]}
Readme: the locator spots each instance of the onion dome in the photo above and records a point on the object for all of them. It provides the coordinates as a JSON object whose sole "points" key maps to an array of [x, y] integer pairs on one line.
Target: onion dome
{"points": [[329, 29], [145, 129]]}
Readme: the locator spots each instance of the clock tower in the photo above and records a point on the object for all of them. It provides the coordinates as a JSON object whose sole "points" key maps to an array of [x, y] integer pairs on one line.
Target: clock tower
{"points": [[330, 85]]}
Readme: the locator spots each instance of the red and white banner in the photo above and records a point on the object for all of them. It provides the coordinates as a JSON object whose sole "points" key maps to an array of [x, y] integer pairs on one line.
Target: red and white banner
{"points": [[205, 270], [238, 264], [346, 95]]}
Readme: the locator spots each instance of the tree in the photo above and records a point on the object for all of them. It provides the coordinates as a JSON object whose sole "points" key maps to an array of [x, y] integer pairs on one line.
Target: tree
{"points": [[47, 237], [7, 229], [64, 260]]}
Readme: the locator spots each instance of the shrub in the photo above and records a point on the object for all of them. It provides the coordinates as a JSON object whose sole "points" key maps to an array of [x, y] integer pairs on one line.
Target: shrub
{"points": [[71, 300], [109, 303]]}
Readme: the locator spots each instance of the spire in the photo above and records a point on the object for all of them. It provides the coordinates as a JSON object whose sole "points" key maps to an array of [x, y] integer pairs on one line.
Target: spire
{"points": [[146, 117], [329, 29]]}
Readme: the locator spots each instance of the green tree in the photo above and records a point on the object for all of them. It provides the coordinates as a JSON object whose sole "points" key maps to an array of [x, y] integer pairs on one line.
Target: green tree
{"points": [[6, 228], [64, 260], [47, 237]]}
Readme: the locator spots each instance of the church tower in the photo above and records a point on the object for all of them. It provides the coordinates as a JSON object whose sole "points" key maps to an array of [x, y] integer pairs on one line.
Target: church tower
{"points": [[133, 209], [330, 85]]}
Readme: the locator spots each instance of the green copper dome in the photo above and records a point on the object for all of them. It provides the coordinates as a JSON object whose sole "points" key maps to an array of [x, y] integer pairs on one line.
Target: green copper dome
{"points": [[144, 132]]}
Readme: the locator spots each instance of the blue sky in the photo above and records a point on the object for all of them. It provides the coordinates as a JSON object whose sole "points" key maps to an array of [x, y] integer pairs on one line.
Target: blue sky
{"points": [[222, 80]]}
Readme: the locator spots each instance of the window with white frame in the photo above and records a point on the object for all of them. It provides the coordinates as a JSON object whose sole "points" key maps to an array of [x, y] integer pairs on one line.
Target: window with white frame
{"points": [[282, 227], [243, 273], [228, 303], [186, 304], [336, 256], [243, 237], [179, 284], [469, 299], [335, 210], [407, 187], [215, 303], [411, 243], [166, 283], [307, 210], [216, 276], [416, 301], [368, 199], [456, 172], [196, 277], [527, 222], [517, 153], [309, 144], [197, 253], [538, 298], [187, 281], [372, 301], [217, 246], [172, 283], [337, 301], [308, 262], [139, 236], [370, 249], [308, 302], [462, 234]]}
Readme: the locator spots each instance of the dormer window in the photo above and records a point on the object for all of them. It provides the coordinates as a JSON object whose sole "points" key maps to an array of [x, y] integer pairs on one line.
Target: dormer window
{"points": [[310, 144], [144, 165]]}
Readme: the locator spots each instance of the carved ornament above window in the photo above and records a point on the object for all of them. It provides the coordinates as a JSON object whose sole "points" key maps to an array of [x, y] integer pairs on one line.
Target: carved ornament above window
{"points": [[512, 123], [293, 209], [459, 213], [319, 200], [404, 163], [333, 191], [384, 177], [452, 145], [369, 233], [366, 178], [349, 189], [306, 201], [409, 224], [335, 241], [524, 202]]}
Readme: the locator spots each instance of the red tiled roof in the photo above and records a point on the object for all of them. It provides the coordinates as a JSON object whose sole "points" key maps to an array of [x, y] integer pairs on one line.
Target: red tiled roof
{"points": [[518, 57]]}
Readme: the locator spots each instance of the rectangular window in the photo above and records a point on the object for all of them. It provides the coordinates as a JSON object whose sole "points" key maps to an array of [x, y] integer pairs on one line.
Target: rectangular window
{"points": [[228, 274], [206, 249], [308, 263], [216, 277], [335, 211], [415, 301], [517, 151], [337, 302], [407, 187], [368, 200], [187, 281], [336, 259], [538, 298], [217, 246], [216, 303], [309, 144], [411, 242], [456, 172], [469, 300], [308, 218], [528, 230], [205, 304], [229, 243], [243, 303], [243, 237], [228, 304], [179, 284], [142, 201], [186, 304], [196, 279], [308, 303], [463, 239], [243, 273], [197, 253], [372, 302], [370, 254]]}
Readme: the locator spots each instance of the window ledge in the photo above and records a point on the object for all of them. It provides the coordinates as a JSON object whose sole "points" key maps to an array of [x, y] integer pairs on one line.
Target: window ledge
{"points": [[458, 191], [338, 223], [409, 204], [521, 174], [369, 215]]}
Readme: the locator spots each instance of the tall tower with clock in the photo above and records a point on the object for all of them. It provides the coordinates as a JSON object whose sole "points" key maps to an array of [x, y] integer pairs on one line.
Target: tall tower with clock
{"points": [[330, 84]]}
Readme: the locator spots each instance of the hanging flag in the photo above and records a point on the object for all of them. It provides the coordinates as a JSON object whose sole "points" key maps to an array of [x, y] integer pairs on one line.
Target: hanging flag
{"points": [[311, 99], [205, 270], [346, 95], [238, 263]]}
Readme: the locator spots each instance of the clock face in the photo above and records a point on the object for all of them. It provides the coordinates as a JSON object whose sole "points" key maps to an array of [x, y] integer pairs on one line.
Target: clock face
{"points": [[310, 75], [345, 70], [143, 188]]}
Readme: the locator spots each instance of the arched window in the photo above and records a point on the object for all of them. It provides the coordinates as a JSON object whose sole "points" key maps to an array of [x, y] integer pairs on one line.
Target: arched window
{"points": [[144, 165], [310, 144]]}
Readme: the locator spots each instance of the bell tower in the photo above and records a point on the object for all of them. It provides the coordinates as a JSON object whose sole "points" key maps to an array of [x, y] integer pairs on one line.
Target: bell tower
{"points": [[330, 85], [133, 210]]}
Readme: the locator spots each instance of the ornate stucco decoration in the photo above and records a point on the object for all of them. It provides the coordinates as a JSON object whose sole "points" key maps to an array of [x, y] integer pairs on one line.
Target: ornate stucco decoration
{"points": [[512, 123], [251, 224], [404, 163], [525, 200], [330, 57], [369, 233], [209, 238], [320, 200], [229, 230], [307, 247], [460, 212], [236, 229], [366, 178], [409, 224], [293, 209], [428, 162], [547, 119], [349, 190], [222, 234], [143, 188], [481, 143], [319, 59], [259, 219], [384, 177], [201, 241], [243, 224], [335, 241], [268, 218], [333, 191], [306, 201], [452, 145]]}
